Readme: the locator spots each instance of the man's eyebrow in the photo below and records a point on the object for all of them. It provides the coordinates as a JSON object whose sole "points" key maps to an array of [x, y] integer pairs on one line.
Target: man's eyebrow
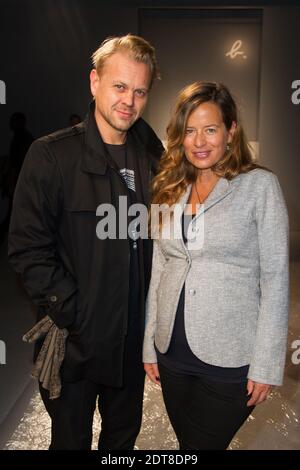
{"points": [[119, 82]]}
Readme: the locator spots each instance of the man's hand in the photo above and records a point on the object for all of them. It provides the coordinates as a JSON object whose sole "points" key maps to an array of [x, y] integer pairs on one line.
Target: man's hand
{"points": [[152, 372], [259, 392]]}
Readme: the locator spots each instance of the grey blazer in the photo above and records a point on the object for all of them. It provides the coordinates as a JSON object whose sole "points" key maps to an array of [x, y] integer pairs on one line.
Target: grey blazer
{"points": [[236, 279]]}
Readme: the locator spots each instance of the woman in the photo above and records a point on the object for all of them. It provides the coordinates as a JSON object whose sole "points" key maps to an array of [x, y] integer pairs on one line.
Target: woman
{"points": [[217, 307]]}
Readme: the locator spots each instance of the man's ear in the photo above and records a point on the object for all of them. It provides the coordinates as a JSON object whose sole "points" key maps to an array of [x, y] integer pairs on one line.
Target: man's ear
{"points": [[231, 132], [94, 80]]}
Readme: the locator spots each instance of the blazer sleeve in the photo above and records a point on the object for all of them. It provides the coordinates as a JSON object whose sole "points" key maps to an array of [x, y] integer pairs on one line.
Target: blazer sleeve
{"points": [[32, 241], [268, 360], [158, 262]]}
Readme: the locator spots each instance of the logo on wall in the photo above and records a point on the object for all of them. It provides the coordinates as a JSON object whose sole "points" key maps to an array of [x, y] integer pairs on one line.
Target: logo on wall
{"points": [[2, 92], [2, 352], [236, 50], [296, 94]]}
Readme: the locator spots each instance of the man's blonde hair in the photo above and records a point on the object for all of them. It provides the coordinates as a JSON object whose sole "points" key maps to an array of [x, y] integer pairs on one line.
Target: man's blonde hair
{"points": [[138, 48]]}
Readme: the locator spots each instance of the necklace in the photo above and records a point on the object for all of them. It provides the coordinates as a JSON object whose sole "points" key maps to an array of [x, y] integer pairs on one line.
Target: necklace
{"points": [[202, 200]]}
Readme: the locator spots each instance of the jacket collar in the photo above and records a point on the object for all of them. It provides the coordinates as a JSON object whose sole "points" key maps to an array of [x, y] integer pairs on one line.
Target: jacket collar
{"points": [[94, 155], [95, 158], [222, 188]]}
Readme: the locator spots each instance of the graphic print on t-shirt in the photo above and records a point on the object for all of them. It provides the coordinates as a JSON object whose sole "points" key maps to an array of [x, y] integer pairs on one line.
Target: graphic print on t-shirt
{"points": [[128, 176]]}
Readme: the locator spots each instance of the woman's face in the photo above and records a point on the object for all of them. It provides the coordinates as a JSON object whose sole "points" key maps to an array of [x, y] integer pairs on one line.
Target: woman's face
{"points": [[206, 136]]}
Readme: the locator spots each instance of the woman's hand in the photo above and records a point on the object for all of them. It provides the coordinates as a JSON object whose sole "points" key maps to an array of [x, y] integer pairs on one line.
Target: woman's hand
{"points": [[152, 372], [259, 392]]}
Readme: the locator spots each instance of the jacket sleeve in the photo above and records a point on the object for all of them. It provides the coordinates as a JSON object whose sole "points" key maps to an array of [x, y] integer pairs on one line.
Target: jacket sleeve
{"points": [[32, 241], [158, 262], [267, 363]]}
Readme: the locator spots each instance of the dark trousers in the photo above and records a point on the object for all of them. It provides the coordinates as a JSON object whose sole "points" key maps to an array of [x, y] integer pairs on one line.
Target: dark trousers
{"points": [[204, 413], [120, 410]]}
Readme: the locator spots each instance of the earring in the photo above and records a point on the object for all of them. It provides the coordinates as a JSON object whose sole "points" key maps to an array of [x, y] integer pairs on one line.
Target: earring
{"points": [[228, 147]]}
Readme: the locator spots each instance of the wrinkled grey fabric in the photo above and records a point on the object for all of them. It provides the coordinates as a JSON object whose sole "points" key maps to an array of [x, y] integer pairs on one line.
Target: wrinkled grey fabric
{"points": [[47, 366]]}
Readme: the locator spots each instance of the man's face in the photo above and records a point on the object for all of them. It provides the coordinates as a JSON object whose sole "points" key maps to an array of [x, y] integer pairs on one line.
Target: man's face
{"points": [[120, 93]]}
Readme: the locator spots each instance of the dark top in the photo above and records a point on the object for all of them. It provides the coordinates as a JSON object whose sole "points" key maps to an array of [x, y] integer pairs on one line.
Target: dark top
{"points": [[124, 159], [180, 358]]}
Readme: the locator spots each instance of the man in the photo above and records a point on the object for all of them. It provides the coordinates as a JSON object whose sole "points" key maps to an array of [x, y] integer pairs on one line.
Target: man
{"points": [[95, 288]]}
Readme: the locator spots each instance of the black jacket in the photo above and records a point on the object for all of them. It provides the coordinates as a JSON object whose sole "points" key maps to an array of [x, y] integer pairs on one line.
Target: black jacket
{"points": [[77, 279]]}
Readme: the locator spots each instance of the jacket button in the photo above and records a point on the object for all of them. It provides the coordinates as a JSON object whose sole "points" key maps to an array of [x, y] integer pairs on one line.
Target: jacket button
{"points": [[192, 292], [53, 298]]}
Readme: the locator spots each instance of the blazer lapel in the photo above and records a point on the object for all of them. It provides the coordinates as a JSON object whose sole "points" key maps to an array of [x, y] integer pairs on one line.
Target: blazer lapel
{"points": [[221, 190]]}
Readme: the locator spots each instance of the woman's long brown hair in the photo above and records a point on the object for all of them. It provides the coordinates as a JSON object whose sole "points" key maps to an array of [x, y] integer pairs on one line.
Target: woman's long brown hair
{"points": [[175, 171]]}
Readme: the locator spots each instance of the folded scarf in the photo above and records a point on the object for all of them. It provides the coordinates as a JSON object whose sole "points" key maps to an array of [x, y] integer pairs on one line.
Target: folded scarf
{"points": [[47, 366]]}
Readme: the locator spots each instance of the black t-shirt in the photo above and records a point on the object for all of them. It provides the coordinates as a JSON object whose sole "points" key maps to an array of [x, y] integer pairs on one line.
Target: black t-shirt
{"points": [[124, 158], [180, 358]]}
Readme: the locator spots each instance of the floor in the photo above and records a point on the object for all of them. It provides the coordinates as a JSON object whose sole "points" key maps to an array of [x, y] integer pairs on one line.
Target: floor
{"points": [[16, 317], [25, 424]]}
